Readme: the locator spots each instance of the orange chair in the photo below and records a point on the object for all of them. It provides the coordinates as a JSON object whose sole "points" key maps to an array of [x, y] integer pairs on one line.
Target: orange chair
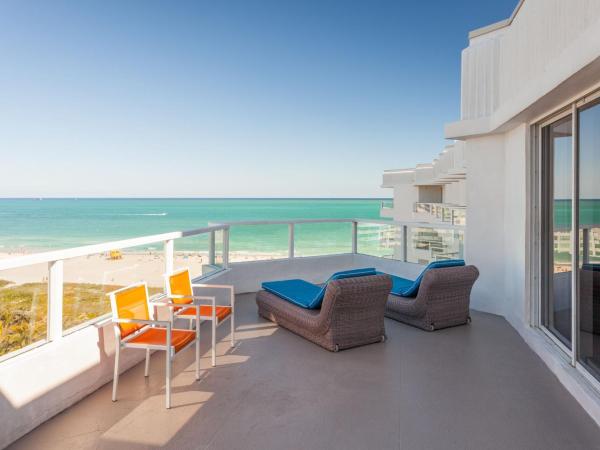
{"points": [[180, 290], [136, 328]]}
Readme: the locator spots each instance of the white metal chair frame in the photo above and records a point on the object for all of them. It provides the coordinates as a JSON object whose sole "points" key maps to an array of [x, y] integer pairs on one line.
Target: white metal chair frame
{"points": [[196, 300], [168, 348]]}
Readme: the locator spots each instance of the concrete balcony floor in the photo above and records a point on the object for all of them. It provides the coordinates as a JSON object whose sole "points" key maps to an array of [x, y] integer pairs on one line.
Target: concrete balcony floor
{"points": [[475, 387]]}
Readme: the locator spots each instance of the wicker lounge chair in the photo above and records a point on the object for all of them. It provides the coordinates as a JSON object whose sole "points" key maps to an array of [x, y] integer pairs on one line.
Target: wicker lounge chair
{"points": [[351, 313], [442, 300]]}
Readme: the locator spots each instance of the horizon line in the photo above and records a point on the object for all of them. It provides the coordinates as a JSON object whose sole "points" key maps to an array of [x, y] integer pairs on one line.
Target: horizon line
{"points": [[193, 198]]}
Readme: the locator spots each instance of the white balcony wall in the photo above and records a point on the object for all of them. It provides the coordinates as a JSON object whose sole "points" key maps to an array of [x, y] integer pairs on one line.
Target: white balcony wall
{"points": [[485, 221], [458, 154], [40, 383], [456, 193], [405, 196], [479, 83], [496, 221], [506, 70], [424, 174], [392, 178]]}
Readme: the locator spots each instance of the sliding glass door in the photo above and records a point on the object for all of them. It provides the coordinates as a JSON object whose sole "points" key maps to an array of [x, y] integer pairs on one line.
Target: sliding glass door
{"points": [[570, 221], [589, 238], [557, 180]]}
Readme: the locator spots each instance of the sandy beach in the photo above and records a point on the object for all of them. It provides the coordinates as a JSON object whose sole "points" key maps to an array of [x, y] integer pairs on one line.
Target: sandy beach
{"points": [[130, 268]]}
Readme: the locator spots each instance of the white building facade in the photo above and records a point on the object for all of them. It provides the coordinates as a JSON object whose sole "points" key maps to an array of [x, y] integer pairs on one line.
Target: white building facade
{"points": [[530, 131], [433, 192]]}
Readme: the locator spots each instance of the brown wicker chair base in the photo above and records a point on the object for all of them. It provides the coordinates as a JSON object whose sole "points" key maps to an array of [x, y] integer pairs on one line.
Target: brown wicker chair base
{"points": [[443, 300], [352, 313]]}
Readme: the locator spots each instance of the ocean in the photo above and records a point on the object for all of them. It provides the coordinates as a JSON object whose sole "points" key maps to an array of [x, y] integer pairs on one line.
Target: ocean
{"points": [[589, 213], [45, 224]]}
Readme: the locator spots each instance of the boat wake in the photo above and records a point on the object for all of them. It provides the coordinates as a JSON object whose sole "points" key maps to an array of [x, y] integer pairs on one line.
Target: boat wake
{"points": [[145, 214]]}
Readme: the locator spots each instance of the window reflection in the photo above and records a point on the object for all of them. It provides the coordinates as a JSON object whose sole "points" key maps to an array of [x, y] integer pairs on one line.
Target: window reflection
{"points": [[589, 238], [557, 151]]}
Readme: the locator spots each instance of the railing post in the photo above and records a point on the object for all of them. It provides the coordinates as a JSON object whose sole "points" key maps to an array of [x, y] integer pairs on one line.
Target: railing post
{"points": [[585, 238], [211, 248], [404, 243], [55, 300], [291, 243], [226, 248], [169, 255], [354, 236]]}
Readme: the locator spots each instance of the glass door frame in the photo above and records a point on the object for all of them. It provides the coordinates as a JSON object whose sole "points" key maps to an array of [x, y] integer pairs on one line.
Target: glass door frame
{"points": [[540, 230], [545, 196]]}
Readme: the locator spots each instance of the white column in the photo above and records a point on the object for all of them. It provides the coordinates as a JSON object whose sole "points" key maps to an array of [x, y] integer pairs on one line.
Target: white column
{"points": [[404, 243], [211, 249], [169, 255], [291, 241], [226, 248], [55, 300]]}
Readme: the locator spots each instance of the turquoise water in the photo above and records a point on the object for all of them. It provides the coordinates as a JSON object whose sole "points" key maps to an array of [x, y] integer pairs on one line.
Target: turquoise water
{"points": [[589, 212], [38, 225]]}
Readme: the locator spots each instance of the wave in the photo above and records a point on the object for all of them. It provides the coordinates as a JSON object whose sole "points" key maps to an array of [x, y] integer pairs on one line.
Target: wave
{"points": [[143, 214]]}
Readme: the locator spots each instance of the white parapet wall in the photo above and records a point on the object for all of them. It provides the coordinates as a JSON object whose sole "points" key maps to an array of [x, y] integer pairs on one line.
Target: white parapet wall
{"points": [[42, 382]]}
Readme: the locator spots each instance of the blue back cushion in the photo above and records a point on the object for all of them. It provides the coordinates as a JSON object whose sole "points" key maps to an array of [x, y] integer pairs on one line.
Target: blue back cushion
{"points": [[308, 295], [352, 273], [406, 288]]}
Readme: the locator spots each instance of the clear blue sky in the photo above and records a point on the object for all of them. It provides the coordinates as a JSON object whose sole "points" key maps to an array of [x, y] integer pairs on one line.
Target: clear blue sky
{"points": [[226, 98]]}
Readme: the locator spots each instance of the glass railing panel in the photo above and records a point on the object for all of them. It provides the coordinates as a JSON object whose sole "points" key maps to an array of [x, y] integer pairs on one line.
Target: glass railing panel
{"points": [[459, 217], [423, 208], [219, 258], [381, 240], [326, 238], [427, 244], [447, 215], [88, 280], [194, 252], [23, 307], [258, 242]]}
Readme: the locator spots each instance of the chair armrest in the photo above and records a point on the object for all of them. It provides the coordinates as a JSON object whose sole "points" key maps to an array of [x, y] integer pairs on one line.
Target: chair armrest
{"points": [[218, 286], [197, 300], [163, 323], [197, 303], [213, 286]]}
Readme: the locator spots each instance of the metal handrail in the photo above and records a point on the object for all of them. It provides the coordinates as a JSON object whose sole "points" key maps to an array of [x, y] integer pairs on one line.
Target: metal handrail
{"points": [[85, 250], [55, 258], [74, 252]]}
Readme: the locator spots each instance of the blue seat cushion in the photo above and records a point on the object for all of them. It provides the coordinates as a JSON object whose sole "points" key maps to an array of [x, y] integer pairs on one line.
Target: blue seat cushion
{"points": [[402, 287], [298, 292], [308, 295]]}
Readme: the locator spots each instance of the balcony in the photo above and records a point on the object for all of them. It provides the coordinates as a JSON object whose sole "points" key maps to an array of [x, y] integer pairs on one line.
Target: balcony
{"points": [[449, 389], [441, 212], [387, 209]]}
